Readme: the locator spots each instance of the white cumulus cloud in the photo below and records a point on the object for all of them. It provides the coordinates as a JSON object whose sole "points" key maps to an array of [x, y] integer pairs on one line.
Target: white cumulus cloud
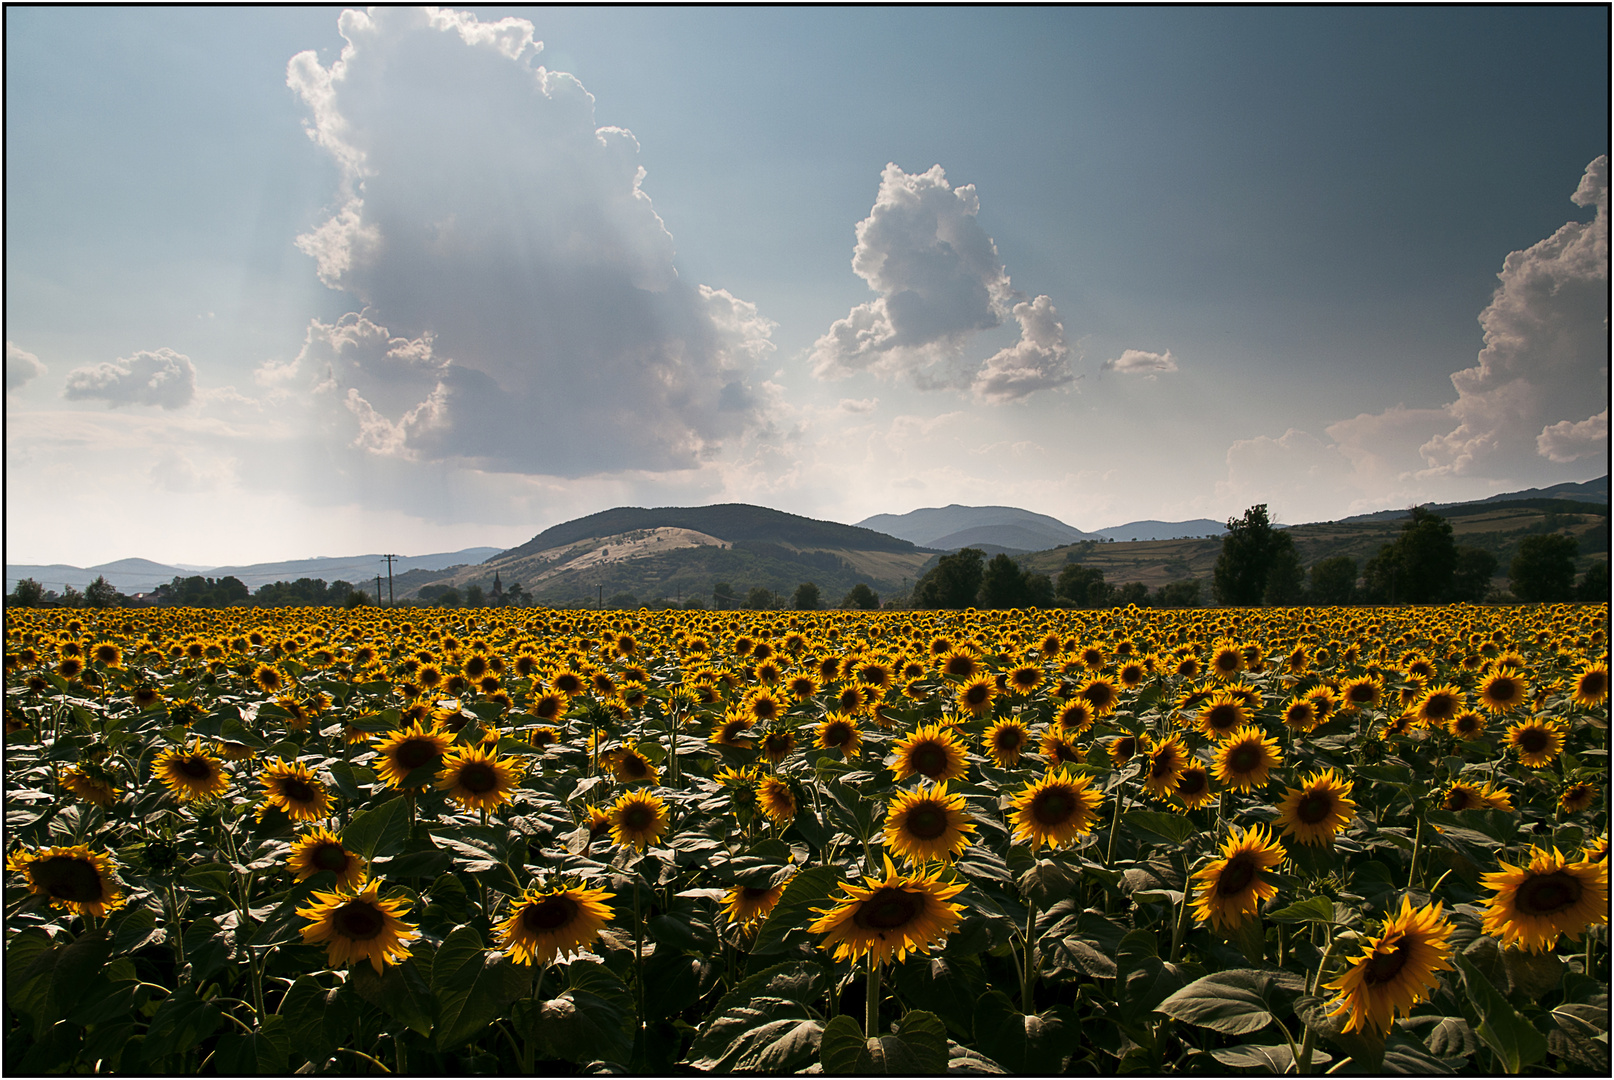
{"points": [[940, 283], [21, 367], [521, 308], [1138, 362], [1566, 441], [161, 377]]}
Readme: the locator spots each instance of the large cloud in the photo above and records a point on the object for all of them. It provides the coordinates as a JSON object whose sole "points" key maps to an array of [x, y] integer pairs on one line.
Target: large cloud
{"points": [[163, 377], [21, 367], [488, 223], [940, 283], [1546, 350]]}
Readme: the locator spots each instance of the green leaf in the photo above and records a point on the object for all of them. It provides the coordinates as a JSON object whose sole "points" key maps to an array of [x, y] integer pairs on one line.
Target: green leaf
{"points": [[945, 985], [582, 1027], [214, 878], [472, 986], [766, 1023], [426, 862], [379, 830], [1142, 979], [1580, 1036], [843, 1050], [207, 948], [181, 1021], [1237, 1002], [53, 981], [282, 924], [1513, 1039], [1318, 909], [925, 1037], [1404, 1057], [1172, 829], [788, 920], [262, 1051], [1046, 883], [1021, 1042], [316, 1019], [400, 991]]}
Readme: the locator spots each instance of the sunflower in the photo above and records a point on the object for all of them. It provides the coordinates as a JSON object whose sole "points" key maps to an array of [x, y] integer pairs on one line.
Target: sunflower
{"points": [[1193, 788], [1226, 660], [598, 823], [550, 705], [1396, 969], [146, 697], [1055, 809], [976, 695], [1132, 673], [1167, 760], [931, 750], [1100, 693], [801, 687], [776, 799], [638, 818], [1076, 717], [322, 850], [1005, 740], [959, 664], [1323, 702], [1319, 809], [1300, 715], [748, 905], [923, 825], [191, 773], [1503, 691], [1242, 762], [1537, 741], [1596, 850], [629, 766], [1025, 679], [269, 679], [1467, 724], [1122, 748], [358, 925], [1057, 746], [1232, 887], [777, 745], [1591, 685], [477, 778], [1461, 796], [1222, 715], [890, 918], [546, 923], [92, 783], [1438, 706], [1362, 692], [838, 731], [75, 878], [405, 750], [295, 790], [852, 698], [762, 706], [731, 730], [1547, 897], [1577, 797]]}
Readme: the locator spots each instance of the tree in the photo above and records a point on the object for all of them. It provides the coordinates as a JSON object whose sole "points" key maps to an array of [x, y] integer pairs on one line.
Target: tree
{"points": [[1039, 590], [474, 597], [1544, 569], [515, 594], [807, 597], [861, 598], [1285, 577], [100, 594], [1593, 588], [1333, 581], [1083, 586], [28, 593], [1471, 581], [1417, 567], [1133, 592], [622, 601], [759, 599], [1003, 584], [953, 582], [449, 597], [723, 596], [356, 599], [1250, 548], [1178, 594]]}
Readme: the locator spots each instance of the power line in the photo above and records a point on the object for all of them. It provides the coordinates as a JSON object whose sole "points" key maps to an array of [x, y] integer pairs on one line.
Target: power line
{"points": [[391, 600]]}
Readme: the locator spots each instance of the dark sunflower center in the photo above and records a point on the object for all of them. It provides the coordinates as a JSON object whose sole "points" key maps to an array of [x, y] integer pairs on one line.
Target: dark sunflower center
{"points": [[547, 708], [360, 920], [1461, 799], [926, 822], [1244, 759], [1467, 723], [1227, 662], [1361, 695], [550, 913], [1053, 806], [1440, 707], [196, 768], [478, 777], [960, 668], [1237, 875], [1222, 717], [976, 695], [296, 790], [330, 857], [413, 753], [638, 817], [1026, 678], [887, 909], [1192, 783], [1163, 765], [1007, 741], [837, 734], [1100, 695], [1124, 747], [754, 892], [1593, 684], [1533, 740], [1315, 807], [1384, 967], [1504, 690], [929, 759], [634, 766], [1546, 894], [68, 878], [777, 744]]}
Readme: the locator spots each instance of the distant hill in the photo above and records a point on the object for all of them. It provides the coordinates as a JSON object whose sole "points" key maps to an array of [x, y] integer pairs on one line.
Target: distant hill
{"points": [[1164, 530], [731, 522], [1589, 491], [954, 526], [142, 575]]}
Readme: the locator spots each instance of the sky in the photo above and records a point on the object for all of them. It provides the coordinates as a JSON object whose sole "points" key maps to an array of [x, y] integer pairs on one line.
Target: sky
{"points": [[292, 282]]}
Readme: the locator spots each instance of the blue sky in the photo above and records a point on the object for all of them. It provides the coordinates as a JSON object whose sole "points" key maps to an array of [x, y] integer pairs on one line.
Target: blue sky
{"points": [[1104, 264]]}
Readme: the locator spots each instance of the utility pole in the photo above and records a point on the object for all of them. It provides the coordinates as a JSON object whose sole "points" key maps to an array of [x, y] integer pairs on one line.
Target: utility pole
{"points": [[378, 590], [390, 600], [601, 605]]}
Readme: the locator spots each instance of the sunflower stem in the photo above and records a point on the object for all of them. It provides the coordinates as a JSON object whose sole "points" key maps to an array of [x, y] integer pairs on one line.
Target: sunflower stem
{"points": [[178, 935], [1417, 849], [1029, 958], [638, 957], [871, 1007]]}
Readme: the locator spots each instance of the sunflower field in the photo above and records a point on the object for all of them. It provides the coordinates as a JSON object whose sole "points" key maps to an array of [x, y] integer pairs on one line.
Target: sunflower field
{"points": [[1360, 840]]}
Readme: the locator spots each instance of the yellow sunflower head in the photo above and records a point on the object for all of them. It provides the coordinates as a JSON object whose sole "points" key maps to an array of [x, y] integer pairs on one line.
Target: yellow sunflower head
{"points": [[931, 751], [293, 788], [557, 921], [1193, 788], [1547, 897], [191, 773], [638, 818], [890, 918], [1396, 969], [73, 878], [357, 925], [1503, 691], [1245, 759], [748, 905], [1231, 888], [405, 750], [976, 695], [839, 731], [1537, 742], [776, 798], [1055, 810], [1221, 715], [1167, 760], [320, 850], [1591, 685], [476, 778], [1006, 740], [1318, 810], [928, 824]]}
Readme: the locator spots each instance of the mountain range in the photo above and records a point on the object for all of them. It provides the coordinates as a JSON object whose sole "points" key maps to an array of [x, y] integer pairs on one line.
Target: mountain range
{"points": [[143, 575]]}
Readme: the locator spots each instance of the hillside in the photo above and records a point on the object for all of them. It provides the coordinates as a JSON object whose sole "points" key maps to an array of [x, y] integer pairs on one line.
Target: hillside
{"points": [[731, 522], [954, 526]]}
